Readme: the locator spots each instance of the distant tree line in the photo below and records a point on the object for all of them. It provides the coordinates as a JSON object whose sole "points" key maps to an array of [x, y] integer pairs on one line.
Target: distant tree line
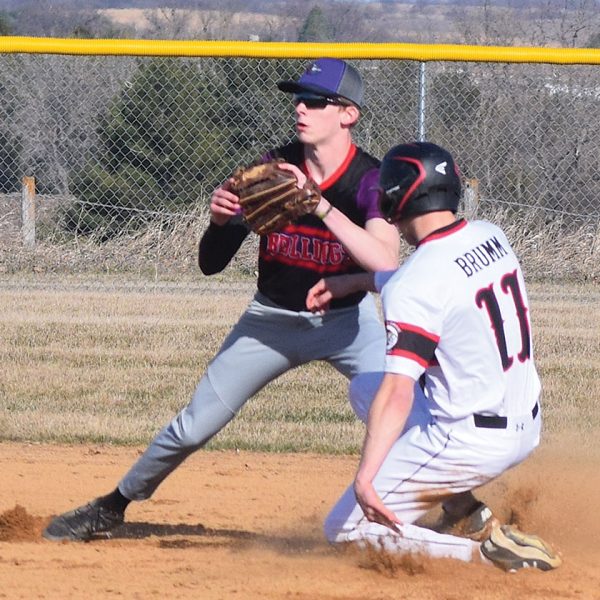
{"points": [[170, 137], [131, 138], [519, 22]]}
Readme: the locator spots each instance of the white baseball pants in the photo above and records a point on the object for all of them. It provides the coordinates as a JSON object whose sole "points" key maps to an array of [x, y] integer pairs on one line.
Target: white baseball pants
{"points": [[433, 460]]}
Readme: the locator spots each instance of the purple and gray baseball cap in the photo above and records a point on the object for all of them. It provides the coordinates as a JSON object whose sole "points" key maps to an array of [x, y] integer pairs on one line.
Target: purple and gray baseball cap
{"points": [[328, 77]]}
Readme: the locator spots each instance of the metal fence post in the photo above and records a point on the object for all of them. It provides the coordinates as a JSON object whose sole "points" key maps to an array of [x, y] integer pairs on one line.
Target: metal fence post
{"points": [[28, 212], [471, 197], [422, 102]]}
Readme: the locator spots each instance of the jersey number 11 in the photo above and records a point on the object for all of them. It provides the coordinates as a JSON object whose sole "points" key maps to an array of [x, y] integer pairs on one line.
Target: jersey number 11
{"points": [[486, 297]]}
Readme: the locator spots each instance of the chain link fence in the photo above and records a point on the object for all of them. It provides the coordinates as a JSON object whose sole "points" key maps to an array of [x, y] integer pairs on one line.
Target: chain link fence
{"points": [[107, 163]]}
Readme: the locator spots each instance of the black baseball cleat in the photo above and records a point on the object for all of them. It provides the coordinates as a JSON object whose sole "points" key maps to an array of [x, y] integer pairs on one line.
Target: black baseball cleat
{"points": [[475, 525], [83, 523], [511, 550]]}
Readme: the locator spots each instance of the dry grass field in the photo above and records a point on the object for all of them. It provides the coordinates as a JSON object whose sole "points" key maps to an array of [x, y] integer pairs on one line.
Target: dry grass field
{"points": [[112, 367]]}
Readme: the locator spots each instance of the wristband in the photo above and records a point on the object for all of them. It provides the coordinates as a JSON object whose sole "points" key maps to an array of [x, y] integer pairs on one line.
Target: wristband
{"points": [[324, 214]]}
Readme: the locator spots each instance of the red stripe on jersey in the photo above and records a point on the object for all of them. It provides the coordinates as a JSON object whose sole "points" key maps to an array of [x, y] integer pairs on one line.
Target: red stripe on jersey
{"points": [[410, 342], [415, 329], [410, 355], [338, 172], [444, 232]]}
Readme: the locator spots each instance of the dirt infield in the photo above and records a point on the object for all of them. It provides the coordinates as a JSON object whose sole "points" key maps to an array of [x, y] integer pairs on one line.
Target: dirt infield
{"points": [[248, 526]]}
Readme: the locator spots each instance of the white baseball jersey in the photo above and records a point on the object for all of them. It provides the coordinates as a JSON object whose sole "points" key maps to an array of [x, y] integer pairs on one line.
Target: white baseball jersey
{"points": [[457, 313], [457, 316]]}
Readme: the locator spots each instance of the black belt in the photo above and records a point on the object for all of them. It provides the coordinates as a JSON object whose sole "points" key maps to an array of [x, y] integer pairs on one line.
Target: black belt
{"points": [[495, 422]]}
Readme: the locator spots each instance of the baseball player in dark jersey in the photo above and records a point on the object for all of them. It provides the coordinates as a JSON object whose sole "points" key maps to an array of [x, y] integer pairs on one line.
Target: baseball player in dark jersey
{"points": [[276, 333], [457, 319]]}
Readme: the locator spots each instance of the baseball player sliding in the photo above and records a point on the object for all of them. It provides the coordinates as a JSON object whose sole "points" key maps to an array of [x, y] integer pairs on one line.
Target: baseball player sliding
{"points": [[457, 319]]}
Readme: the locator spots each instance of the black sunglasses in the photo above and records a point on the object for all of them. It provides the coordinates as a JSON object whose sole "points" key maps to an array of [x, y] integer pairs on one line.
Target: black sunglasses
{"points": [[313, 101]]}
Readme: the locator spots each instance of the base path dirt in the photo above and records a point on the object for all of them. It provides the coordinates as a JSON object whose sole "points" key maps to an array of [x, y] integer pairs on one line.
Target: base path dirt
{"points": [[247, 526]]}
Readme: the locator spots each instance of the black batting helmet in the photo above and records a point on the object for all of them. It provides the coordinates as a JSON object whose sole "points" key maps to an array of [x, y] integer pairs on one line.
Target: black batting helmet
{"points": [[417, 178]]}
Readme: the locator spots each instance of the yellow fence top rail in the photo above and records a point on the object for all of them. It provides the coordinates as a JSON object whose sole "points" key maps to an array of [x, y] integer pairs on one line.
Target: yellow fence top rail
{"points": [[417, 52]]}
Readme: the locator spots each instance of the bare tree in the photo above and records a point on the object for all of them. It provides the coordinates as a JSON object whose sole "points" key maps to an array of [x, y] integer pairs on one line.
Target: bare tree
{"points": [[351, 20], [562, 23], [576, 21], [167, 23], [65, 19], [58, 100]]}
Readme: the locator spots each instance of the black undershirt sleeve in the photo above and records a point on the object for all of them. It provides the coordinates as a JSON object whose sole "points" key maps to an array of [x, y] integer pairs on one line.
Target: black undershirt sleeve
{"points": [[219, 243]]}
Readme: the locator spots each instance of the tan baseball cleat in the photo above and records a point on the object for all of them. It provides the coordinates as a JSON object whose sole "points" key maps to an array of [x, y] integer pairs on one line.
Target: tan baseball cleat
{"points": [[511, 550]]}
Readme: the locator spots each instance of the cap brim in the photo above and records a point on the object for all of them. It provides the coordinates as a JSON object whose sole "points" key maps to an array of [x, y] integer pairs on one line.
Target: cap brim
{"points": [[293, 87]]}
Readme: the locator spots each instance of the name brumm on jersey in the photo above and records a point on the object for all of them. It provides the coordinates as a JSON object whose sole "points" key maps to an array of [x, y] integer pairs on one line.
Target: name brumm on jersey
{"points": [[483, 255]]}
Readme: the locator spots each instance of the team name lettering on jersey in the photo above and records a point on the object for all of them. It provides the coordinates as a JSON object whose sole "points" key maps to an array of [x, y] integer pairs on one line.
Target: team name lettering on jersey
{"points": [[303, 248], [481, 256]]}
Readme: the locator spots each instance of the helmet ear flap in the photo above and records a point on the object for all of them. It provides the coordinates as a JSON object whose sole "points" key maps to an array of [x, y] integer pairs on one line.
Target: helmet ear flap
{"points": [[399, 177]]}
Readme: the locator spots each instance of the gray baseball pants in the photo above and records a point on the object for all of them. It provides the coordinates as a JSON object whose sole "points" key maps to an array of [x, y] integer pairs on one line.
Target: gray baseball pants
{"points": [[266, 342]]}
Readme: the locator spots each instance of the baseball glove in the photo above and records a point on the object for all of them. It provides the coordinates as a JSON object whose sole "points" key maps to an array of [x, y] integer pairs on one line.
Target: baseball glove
{"points": [[270, 198]]}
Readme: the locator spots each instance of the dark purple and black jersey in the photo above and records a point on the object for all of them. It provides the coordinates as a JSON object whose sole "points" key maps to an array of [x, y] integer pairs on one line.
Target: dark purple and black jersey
{"points": [[291, 261]]}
